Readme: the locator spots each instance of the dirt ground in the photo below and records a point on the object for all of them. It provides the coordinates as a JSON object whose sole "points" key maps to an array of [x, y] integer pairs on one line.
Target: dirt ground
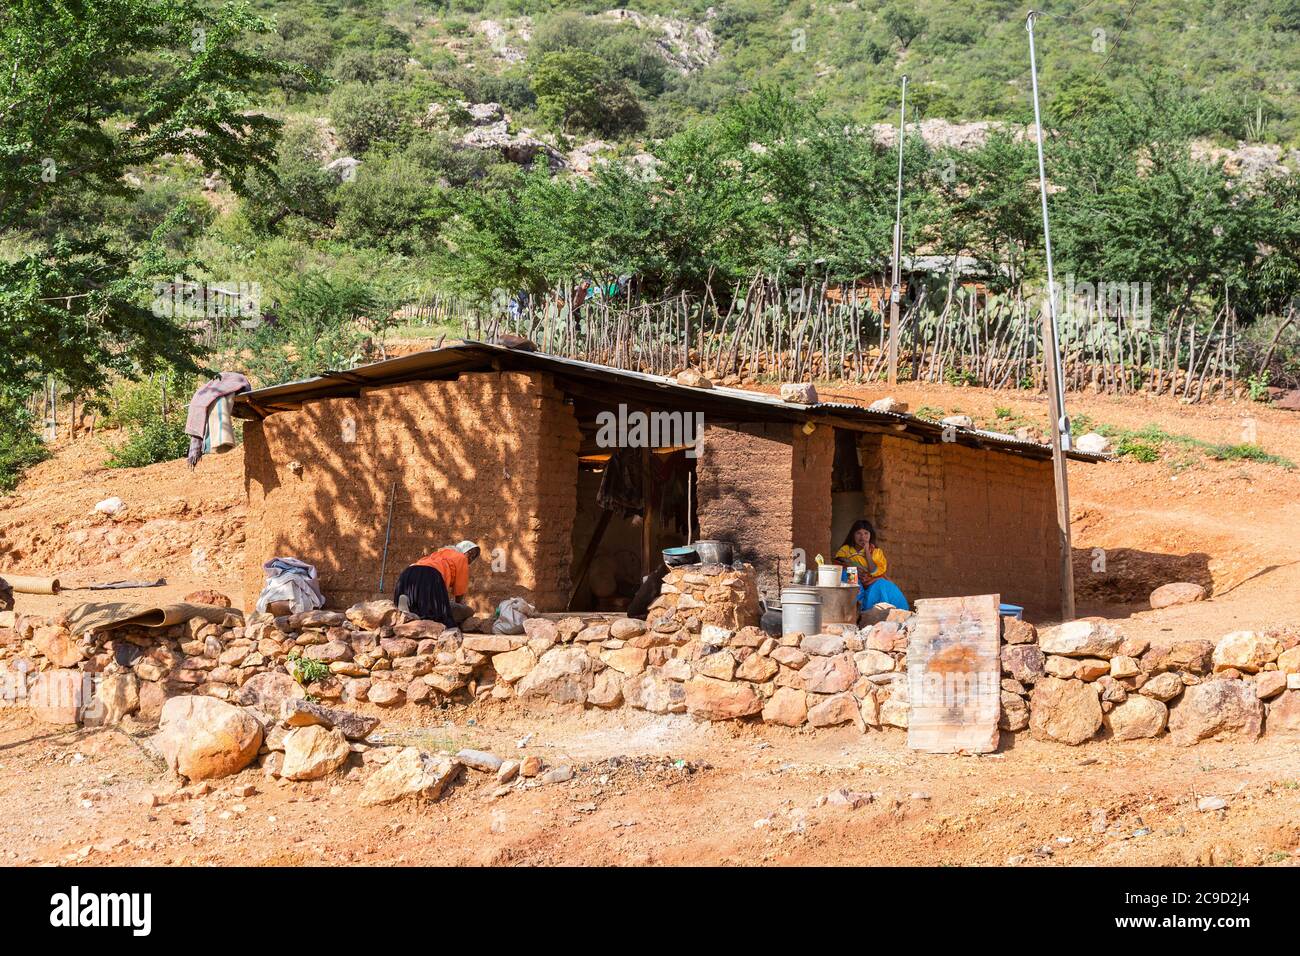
{"points": [[665, 790]]}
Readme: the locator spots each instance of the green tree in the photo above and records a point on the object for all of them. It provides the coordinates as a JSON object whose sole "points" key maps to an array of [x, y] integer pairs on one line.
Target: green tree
{"points": [[94, 90], [576, 90]]}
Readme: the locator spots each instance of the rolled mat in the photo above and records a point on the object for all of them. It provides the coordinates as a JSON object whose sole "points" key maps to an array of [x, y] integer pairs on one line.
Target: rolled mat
{"points": [[28, 584], [107, 615]]}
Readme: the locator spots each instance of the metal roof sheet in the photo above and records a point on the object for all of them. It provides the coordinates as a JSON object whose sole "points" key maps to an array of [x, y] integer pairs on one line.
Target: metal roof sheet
{"points": [[468, 356]]}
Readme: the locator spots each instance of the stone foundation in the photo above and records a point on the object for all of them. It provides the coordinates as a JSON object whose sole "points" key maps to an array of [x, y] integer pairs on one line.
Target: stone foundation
{"points": [[699, 652]]}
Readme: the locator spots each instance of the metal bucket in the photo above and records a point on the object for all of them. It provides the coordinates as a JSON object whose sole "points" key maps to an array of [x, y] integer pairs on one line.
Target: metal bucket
{"points": [[828, 575], [801, 611], [839, 604]]}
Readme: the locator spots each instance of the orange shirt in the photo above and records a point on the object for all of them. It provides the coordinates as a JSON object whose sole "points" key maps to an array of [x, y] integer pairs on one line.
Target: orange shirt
{"points": [[454, 568]]}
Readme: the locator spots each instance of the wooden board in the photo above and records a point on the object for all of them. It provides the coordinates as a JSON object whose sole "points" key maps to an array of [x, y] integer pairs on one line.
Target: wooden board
{"points": [[954, 675]]}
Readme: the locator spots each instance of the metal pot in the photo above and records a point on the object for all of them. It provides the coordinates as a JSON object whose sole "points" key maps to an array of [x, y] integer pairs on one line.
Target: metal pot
{"points": [[713, 552]]}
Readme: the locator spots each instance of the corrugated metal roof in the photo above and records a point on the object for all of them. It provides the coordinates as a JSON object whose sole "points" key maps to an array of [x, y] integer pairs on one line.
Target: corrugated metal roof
{"points": [[472, 356]]}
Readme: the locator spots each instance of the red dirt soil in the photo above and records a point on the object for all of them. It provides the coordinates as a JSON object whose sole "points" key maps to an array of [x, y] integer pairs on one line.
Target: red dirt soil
{"points": [[80, 797]]}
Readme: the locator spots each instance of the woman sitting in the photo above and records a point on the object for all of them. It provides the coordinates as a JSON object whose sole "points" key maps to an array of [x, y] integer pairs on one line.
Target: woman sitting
{"points": [[859, 550]]}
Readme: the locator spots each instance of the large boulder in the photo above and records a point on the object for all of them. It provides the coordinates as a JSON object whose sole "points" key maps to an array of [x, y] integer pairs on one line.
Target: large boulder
{"points": [[1086, 637], [202, 738], [1215, 708], [713, 699], [1137, 717], [1179, 592], [1284, 713], [1064, 710], [313, 752], [411, 773], [563, 674], [1245, 651]]}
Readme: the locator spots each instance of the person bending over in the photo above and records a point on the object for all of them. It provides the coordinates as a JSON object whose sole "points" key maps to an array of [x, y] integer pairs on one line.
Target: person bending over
{"points": [[434, 588], [859, 550]]}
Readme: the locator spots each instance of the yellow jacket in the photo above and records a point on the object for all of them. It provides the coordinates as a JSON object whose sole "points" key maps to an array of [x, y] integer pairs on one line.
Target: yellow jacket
{"points": [[851, 555]]}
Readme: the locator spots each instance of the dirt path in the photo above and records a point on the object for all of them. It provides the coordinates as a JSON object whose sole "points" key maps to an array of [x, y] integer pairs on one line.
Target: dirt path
{"points": [[747, 796]]}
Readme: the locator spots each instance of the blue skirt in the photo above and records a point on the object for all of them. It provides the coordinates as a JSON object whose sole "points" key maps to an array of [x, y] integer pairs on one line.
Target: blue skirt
{"points": [[881, 591]]}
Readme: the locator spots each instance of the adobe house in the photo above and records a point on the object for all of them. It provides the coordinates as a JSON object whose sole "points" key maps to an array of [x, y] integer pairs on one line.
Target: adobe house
{"points": [[362, 472]]}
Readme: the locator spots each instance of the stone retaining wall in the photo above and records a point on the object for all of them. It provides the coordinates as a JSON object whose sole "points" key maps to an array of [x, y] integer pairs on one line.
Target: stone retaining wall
{"points": [[699, 652]]}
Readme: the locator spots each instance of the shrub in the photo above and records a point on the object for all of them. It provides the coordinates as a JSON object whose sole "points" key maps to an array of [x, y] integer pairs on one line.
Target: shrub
{"points": [[159, 439], [20, 446]]}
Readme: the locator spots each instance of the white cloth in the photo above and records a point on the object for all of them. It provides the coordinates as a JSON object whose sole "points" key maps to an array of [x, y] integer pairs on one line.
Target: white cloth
{"points": [[292, 580]]}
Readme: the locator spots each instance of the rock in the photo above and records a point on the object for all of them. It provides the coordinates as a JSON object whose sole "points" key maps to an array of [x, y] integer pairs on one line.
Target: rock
{"points": [[512, 665], [305, 713], [1015, 713], [313, 752], [1269, 684], [607, 689], [492, 643], [419, 630], [268, 692], [59, 646], [563, 674], [1024, 662], [555, 775], [800, 393], [1121, 666], [1245, 651], [1209, 804], [1179, 592], [480, 760], [202, 738], [386, 693], [757, 669], [508, 770], [1064, 710], [1191, 656], [1085, 637], [343, 169], [958, 421], [835, 710], [1137, 717], [57, 696], [694, 378], [626, 660], [1063, 667], [1017, 631], [1091, 668], [887, 404], [790, 657], [1092, 444], [152, 698], [653, 692], [823, 645], [829, 675], [719, 666], [626, 628], [787, 707], [1284, 713], [720, 700], [328, 653], [113, 507], [1214, 708], [1163, 687], [410, 774], [530, 766], [372, 615]]}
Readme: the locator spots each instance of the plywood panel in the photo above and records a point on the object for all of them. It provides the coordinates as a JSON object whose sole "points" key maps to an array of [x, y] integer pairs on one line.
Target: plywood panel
{"points": [[954, 675]]}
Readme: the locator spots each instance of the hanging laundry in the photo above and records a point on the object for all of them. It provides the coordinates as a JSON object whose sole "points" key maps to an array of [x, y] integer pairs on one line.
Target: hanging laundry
{"points": [[209, 423]]}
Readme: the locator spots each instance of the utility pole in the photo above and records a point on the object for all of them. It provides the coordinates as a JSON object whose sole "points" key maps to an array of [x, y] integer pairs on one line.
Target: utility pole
{"points": [[1052, 364], [894, 290]]}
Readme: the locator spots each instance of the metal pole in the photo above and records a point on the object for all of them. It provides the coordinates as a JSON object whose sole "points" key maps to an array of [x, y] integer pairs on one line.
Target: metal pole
{"points": [[894, 294], [1052, 355]]}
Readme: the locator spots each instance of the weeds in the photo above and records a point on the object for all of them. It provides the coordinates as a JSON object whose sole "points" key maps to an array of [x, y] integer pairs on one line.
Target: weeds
{"points": [[1151, 442]]}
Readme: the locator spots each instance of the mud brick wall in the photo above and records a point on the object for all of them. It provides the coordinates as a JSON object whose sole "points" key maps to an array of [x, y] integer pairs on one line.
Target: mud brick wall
{"points": [[954, 520], [767, 489], [489, 456]]}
